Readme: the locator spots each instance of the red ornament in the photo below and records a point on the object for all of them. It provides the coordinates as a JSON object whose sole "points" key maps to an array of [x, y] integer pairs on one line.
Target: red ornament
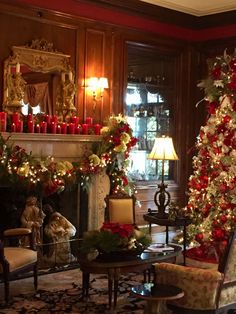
{"points": [[232, 64], [199, 237]]}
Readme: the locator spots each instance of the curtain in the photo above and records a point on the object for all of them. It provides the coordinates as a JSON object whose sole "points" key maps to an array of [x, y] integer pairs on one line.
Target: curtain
{"points": [[38, 94]]}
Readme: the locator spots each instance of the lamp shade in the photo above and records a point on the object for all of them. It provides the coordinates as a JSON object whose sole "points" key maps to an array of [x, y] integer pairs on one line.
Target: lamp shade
{"points": [[103, 82], [163, 149]]}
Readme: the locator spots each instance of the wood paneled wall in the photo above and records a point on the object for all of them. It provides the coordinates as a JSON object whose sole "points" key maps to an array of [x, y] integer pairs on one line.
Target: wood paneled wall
{"points": [[100, 49]]}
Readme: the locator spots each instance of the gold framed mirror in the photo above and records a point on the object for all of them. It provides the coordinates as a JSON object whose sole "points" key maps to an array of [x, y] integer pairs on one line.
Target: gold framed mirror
{"points": [[39, 78]]}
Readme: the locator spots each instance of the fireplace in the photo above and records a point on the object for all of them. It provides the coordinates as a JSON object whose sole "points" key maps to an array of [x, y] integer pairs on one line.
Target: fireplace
{"points": [[85, 210]]}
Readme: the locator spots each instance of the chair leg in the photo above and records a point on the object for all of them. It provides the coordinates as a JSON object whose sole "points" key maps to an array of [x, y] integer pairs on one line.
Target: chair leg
{"points": [[36, 276], [6, 284]]}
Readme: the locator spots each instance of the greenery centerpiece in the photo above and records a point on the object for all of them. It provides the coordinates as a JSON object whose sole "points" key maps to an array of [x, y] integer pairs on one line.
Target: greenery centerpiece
{"points": [[116, 239]]}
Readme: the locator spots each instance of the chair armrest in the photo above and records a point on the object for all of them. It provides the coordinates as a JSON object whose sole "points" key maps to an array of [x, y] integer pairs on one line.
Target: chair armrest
{"points": [[16, 232], [20, 233], [200, 286]]}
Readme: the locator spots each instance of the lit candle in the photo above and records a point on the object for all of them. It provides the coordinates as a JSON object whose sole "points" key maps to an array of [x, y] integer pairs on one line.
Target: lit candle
{"points": [[58, 129], [19, 126], [47, 118], [78, 129], [85, 128], [18, 67], [15, 118], [30, 117], [37, 128], [72, 128], [54, 119], [64, 128], [13, 127], [89, 120], [53, 128], [97, 128], [75, 120], [43, 126], [30, 127]]}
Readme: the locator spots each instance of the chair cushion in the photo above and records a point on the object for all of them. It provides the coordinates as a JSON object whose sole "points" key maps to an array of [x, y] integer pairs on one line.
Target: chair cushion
{"points": [[121, 210], [18, 257]]}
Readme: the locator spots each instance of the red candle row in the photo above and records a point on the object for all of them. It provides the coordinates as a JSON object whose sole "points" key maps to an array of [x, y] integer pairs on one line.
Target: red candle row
{"points": [[50, 125]]}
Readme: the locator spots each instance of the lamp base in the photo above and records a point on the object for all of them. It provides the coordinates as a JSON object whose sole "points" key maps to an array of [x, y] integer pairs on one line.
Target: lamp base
{"points": [[162, 200]]}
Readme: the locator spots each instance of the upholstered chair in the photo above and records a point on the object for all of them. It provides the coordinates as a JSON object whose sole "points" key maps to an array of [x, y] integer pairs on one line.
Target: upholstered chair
{"points": [[120, 208], [16, 260], [205, 290]]}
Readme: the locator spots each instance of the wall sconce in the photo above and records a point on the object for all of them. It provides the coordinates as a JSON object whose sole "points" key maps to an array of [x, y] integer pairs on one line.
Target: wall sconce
{"points": [[97, 85]]}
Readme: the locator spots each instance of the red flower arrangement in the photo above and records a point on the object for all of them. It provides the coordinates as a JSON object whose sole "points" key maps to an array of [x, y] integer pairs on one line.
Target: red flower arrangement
{"points": [[113, 237]]}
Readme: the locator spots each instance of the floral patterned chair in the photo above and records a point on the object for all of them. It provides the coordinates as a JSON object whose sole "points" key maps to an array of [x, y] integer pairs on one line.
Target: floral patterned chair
{"points": [[206, 291]]}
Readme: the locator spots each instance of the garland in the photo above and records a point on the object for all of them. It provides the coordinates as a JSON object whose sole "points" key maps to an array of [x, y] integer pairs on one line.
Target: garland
{"points": [[45, 177]]}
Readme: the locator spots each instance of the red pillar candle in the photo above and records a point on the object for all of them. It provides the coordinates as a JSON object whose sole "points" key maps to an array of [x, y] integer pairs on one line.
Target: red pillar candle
{"points": [[75, 120], [77, 129], [64, 128], [37, 128], [97, 128], [19, 126], [85, 128], [30, 117], [43, 126], [15, 118], [30, 127], [13, 127], [3, 125], [58, 129], [47, 118], [53, 128], [89, 120], [54, 119], [71, 128]]}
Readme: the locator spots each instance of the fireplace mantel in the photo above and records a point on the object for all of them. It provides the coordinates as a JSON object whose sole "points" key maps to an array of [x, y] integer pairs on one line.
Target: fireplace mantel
{"points": [[72, 148], [60, 146]]}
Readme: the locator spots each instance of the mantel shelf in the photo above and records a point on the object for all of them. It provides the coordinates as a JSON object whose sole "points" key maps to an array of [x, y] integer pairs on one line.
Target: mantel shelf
{"points": [[60, 146]]}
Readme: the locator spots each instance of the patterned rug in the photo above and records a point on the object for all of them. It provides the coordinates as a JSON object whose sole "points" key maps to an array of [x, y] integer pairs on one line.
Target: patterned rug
{"points": [[57, 295]]}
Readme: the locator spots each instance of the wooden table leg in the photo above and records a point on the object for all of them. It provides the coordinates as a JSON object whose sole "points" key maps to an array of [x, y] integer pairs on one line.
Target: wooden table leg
{"points": [[85, 285]]}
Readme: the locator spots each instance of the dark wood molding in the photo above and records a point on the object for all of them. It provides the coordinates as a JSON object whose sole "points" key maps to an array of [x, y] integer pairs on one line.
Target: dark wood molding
{"points": [[165, 15]]}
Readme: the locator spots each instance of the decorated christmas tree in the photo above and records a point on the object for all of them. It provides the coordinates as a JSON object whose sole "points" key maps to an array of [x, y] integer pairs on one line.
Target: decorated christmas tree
{"points": [[212, 186]]}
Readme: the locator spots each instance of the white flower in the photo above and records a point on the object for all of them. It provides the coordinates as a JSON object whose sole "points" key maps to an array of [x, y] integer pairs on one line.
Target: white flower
{"points": [[94, 160]]}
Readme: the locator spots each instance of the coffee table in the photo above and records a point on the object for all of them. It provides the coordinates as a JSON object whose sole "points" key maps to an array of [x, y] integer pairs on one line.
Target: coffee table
{"points": [[114, 270], [156, 296]]}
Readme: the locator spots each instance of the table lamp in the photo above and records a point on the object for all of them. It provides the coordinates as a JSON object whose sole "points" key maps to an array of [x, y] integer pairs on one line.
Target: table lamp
{"points": [[163, 149]]}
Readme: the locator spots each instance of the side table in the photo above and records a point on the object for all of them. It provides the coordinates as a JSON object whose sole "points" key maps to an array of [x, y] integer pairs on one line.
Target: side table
{"points": [[156, 296], [178, 222]]}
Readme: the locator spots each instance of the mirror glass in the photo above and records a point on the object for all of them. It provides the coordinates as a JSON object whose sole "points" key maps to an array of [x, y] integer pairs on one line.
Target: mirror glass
{"points": [[37, 79]]}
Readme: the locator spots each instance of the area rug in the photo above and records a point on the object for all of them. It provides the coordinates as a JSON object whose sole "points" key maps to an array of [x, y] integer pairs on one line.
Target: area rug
{"points": [[57, 295]]}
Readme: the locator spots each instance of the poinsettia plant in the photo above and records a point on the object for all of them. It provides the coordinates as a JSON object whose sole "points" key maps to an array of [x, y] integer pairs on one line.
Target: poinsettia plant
{"points": [[113, 237]]}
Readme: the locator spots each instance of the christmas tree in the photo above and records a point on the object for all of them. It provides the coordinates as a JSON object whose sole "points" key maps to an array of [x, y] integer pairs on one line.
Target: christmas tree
{"points": [[212, 186]]}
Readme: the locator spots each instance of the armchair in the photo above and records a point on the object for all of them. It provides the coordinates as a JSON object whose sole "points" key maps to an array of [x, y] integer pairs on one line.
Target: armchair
{"points": [[120, 208], [206, 291], [15, 260]]}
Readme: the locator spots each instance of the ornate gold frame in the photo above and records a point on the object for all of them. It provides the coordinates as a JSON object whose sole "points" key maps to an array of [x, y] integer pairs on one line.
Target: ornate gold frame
{"points": [[39, 56]]}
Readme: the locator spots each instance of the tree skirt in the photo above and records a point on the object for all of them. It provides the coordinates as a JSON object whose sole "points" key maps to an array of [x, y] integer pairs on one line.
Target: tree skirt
{"points": [[194, 259], [69, 300]]}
